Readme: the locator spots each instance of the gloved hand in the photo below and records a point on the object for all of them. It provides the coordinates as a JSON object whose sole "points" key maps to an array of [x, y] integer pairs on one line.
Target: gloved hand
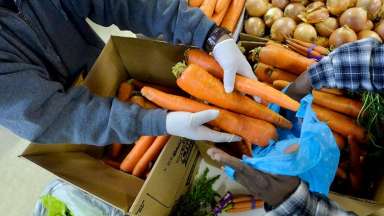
{"points": [[300, 87], [230, 58], [273, 189], [190, 125]]}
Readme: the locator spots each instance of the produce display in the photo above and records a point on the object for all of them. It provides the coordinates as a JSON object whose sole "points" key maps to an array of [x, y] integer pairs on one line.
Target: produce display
{"points": [[328, 23]]}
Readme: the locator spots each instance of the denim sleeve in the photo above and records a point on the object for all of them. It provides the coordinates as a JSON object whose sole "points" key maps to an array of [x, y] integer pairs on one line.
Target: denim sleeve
{"points": [[40, 110], [172, 19]]}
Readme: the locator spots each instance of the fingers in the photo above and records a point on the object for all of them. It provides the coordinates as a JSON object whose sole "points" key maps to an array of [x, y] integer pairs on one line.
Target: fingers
{"points": [[218, 137], [245, 69], [203, 117], [226, 159], [229, 79]]}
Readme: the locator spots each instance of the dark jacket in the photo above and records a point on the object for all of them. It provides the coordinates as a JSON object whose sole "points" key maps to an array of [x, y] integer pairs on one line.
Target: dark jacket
{"points": [[46, 44]]}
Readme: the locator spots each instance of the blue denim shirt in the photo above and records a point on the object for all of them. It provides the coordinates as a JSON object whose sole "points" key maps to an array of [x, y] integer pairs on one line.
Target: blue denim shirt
{"points": [[44, 45]]}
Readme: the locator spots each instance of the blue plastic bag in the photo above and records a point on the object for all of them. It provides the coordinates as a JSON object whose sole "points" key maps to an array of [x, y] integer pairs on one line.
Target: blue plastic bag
{"points": [[317, 157]]}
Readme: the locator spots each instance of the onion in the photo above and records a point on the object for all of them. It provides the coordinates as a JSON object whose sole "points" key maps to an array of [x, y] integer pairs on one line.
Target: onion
{"points": [[380, 29], [326, 27], [257, 8], [272, 15], [355, 18], [314, 6], [303, 2], [255, 26], [336, 7], [280, 3], [293, 10], [369, 33], [315, 16], [341, 36], [305, 32], [322, 41], [369, 25], [372, 6], [352, 3], [283, 28]]}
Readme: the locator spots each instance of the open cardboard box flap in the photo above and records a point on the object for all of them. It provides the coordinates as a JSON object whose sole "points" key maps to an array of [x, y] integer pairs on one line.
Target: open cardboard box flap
{"points": [[173, 172]]}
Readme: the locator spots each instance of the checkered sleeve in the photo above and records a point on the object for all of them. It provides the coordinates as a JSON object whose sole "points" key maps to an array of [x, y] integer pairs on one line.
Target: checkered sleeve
{"points": [[304, 203], [353, 66]]}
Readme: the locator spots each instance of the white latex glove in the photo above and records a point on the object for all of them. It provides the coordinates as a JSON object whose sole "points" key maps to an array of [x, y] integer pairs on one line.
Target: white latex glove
{"points": [[190, 125], [230, 58]]}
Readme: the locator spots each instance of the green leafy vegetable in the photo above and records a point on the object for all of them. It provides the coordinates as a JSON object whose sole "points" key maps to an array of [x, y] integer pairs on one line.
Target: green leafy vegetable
{"points": [[200, 199], [55, 207]]}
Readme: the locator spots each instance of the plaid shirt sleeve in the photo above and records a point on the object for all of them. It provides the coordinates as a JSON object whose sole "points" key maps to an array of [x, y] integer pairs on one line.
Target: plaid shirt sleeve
{"points": [[353, 66], [304, 203]]}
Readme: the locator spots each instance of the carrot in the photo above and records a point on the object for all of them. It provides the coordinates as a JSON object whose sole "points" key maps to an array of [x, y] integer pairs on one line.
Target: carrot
{"points": [[332, 91], [111, 163], [269, 74], [283, 58], [139, 85], [250, 204], [208, 7], [305, 51], [219, 16], [222, 5], [141, 146], [233, 14], [242, 84], [252, 130], [195, 3], [356, 173], [238, 210], [337, 103], [116, 149], [199, 83], [125, 91], [321, 50], [140, 101], [340, 140], [150, 155], [280, 84], [242, 198], [340, 123]]}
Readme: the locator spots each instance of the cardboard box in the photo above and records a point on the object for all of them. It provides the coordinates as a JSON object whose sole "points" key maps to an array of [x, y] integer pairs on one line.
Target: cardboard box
{"points": [[177, 165]]}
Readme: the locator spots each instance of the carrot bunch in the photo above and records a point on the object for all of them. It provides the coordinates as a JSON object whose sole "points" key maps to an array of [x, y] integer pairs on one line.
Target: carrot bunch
{"points": [[307, 49], [225, 13], [147, 148], [238, 203]]}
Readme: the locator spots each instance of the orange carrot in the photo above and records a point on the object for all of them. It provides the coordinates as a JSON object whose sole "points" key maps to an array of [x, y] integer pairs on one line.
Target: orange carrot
{"points": [[284, 58], [252, 130], [116, 149], [304, 50], [233, 14], [141, 146], [337, 103], [321, 50], [208, 7], [332, 91], [199, 83], [248, 204], [242, 84], [219, 16], [340, 123], [340, 140], [140, 101], [195, 3], [125, 91], [139, 85], [222, 5], [112, 163], [150, 155], [242, 198], [280, 84], [269, 74]]}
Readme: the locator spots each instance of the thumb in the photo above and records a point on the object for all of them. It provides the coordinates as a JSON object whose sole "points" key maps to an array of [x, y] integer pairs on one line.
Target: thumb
{"points": [[203, 117], [229, 79], [245, 68]]}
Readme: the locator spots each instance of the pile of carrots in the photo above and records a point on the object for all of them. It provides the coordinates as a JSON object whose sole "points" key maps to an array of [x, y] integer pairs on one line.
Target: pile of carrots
{"points": [[230, 203], [224, 13], [331, 105], [146, 149]]}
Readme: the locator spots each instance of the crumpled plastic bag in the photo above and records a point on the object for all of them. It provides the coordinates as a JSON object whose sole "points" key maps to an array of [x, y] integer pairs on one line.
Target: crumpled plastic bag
{"points": [[316, 160], [79, 202]]}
